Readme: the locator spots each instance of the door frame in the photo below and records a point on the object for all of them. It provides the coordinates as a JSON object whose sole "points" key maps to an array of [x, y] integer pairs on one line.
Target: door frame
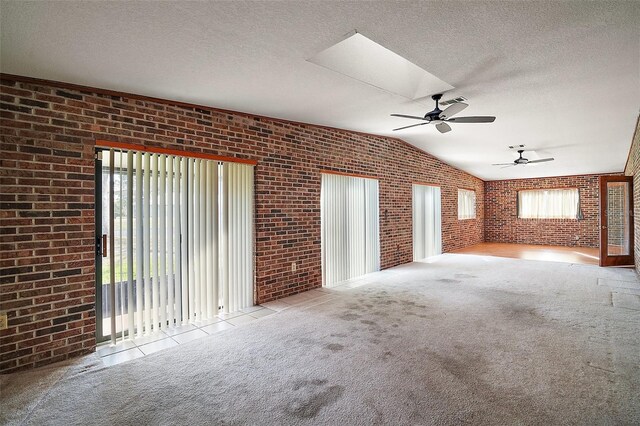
{"points": [[605, 258], [101, 246], [99, 243]]}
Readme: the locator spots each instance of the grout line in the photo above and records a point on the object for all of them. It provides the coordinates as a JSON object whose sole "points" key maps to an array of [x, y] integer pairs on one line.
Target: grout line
{"points": [[197, 327]]}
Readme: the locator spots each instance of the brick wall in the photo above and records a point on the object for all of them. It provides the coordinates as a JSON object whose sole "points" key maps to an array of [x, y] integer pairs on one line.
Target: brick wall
{"points": [[47, 243], [633, 169], [503, 225]]}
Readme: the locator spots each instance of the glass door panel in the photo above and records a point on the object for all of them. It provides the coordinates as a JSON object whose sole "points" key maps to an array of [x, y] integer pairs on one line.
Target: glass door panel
{"points": [[617, 218]]}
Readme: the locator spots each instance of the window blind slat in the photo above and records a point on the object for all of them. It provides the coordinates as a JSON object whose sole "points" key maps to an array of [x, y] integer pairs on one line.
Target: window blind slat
{"points": [[194, 300], [249, 237], [224, 243], [208, 247], [177, 273], [162, 240], [215, 262], [202, 294], [184, 241], [140, 247], [147, 242], [130, 222], [111, 250], [170, 246], [155, 230], [188, 241]]}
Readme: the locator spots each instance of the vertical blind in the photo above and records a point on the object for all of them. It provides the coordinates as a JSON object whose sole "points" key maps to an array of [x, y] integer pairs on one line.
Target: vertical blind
{"points": [[350, 230], [427, 222], [549, 204], [182, 229], [466, 204]]}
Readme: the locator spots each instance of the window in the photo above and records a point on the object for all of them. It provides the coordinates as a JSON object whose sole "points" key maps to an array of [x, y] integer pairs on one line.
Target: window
{"points": [[549, 204], [350, 231], [427, 222], [466, 204]]}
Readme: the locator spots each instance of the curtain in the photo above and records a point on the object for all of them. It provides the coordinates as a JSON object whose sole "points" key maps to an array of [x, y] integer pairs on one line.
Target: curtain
{"points": [[466, 204], [549, 204], [427, 222], [350, 229], [183, 237]]}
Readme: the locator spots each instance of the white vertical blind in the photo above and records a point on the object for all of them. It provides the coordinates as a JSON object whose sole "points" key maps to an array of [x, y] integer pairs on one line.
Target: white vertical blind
{"points": [[191, 260], [139, 243], [427, 221], [155, 230], [146, 244], [195, 258], [236, 231], [224, 239], [162, 240], [185, 240], [170, 248], [177, 275], [466, 204], [350, 229], [372, 226], [121, 247], [130, 221]]}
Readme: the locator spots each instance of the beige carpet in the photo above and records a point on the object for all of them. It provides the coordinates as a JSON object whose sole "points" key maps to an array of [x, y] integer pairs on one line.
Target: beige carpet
{"points": [[463, 339]]}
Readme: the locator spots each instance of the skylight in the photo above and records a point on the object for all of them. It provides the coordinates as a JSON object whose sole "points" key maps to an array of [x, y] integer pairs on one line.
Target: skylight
{"points": [[365, 60]]}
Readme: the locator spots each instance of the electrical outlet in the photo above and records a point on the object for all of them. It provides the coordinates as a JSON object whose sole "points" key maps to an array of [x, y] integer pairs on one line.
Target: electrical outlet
{"points": [[4, 323], [293, 266]]}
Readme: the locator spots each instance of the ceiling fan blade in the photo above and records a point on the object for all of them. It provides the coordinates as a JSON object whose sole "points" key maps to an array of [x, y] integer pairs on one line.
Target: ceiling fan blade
{"points": [[542, 160], [443, 127], [452, 110], [413, 125], [504, 164], [510, 165], [408, 116], [480, 119]]}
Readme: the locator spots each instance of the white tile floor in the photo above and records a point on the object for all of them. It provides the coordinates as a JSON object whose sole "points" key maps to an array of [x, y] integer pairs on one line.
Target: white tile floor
{"points": [[131, 349]]}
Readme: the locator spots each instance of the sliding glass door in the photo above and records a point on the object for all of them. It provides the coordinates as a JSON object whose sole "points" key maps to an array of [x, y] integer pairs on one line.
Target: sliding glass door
{"points": [[427, 221], [175, 240], [350, 229]]}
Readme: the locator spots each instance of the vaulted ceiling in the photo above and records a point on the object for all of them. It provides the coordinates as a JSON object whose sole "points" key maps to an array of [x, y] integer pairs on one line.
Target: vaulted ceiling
{"points": [[562, 78]]}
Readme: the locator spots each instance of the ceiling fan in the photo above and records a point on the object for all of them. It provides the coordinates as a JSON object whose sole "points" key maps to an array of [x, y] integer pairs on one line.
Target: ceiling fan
{"points": [[521, 161], [441, 118]]}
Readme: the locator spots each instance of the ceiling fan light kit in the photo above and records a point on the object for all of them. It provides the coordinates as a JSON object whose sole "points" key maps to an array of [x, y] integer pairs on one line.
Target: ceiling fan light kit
{"points": [[440, 118]]}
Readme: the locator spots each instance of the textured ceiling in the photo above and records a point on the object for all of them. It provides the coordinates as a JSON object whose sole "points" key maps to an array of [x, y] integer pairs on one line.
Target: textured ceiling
{"points": [[563, 78]]}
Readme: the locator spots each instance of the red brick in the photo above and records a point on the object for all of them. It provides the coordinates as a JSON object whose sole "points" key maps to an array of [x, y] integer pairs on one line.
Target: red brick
{"points": [[48, 167], [503, 225]]}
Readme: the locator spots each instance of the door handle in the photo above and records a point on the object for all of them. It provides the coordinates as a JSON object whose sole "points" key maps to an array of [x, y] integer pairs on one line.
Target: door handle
{"points": [[104, 245]]}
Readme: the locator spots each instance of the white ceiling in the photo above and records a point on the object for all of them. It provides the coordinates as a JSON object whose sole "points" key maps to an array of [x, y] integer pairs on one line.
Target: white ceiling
{"points": [[563, 78]]}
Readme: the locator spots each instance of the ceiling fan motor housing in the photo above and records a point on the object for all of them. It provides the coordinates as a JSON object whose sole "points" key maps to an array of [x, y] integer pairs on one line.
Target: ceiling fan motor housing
{"points": [[521, 159], [435, 114]]}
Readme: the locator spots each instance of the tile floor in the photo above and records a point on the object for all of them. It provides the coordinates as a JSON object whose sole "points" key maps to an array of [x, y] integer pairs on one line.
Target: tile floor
{"points": [[127, 350]]}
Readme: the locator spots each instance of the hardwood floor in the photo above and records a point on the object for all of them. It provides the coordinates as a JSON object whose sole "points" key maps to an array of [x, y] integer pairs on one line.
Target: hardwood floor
{"points": [[583, 255]]}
